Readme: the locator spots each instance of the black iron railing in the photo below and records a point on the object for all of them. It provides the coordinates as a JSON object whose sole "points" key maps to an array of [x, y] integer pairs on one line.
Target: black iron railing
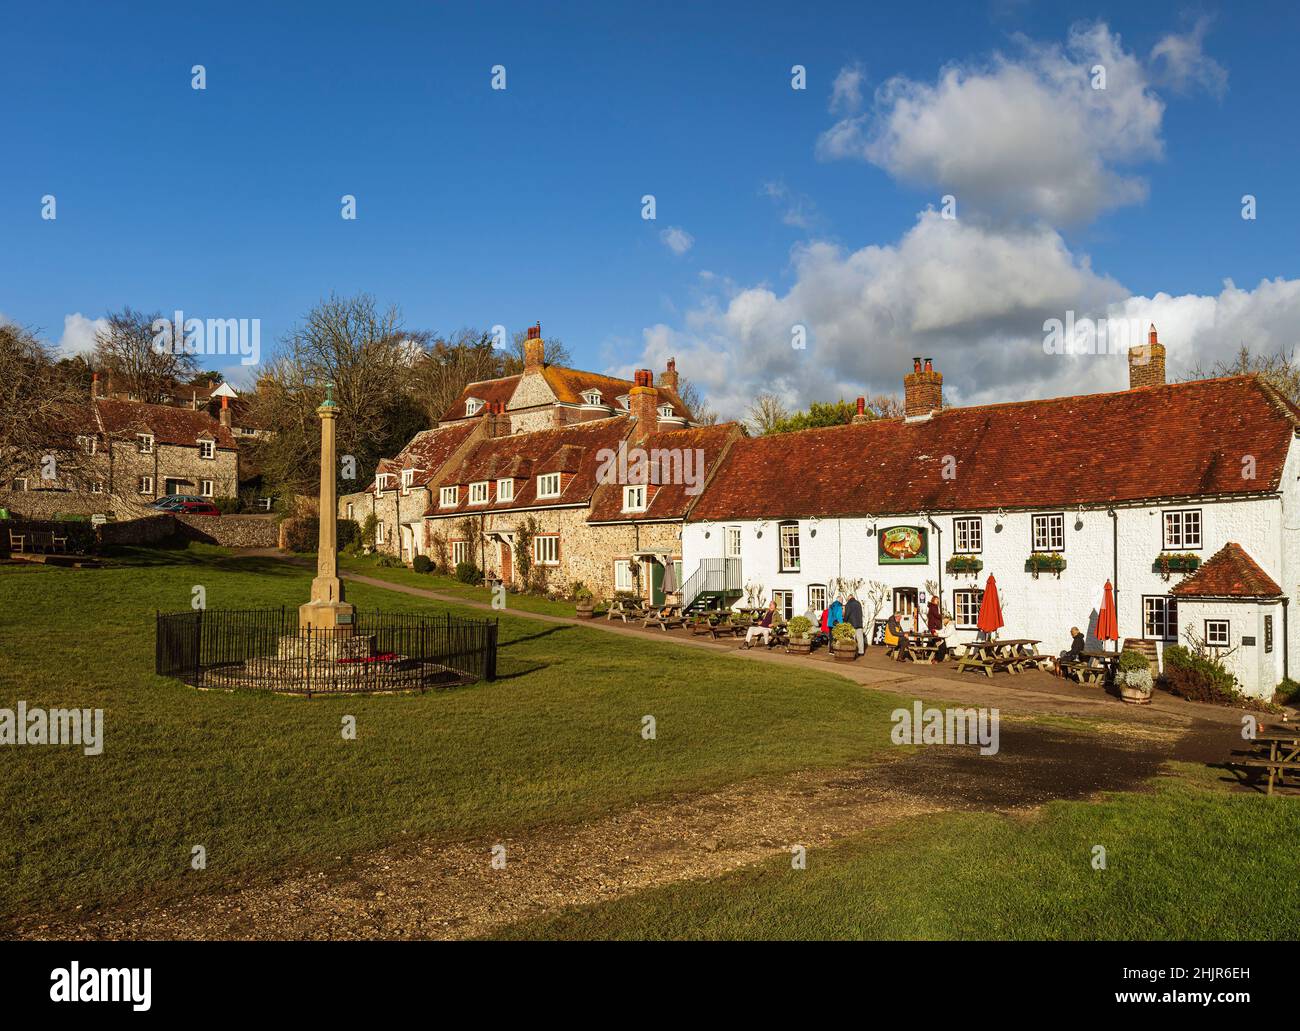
{"points": [[265, 649]]}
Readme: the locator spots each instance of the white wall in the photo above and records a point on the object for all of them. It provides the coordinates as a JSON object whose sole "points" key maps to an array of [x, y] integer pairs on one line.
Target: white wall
{"points": [[1043, 608]]}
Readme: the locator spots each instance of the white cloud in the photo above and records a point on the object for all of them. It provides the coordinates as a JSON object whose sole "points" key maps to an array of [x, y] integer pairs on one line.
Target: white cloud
{"points": [[846, 90], [677, 239], [1179, 61], [1017, 137], [797, 209], [79, 334]]}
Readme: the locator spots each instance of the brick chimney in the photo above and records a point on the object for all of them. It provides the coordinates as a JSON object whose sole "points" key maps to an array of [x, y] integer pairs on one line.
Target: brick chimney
{"points": [[862, 415], [643, 403], [94, 385], [225, 411], [1146, 363], [668, 378], [922, 391], [534, 349]]}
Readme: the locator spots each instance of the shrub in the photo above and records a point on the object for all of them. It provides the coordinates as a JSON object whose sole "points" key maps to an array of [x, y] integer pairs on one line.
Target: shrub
{"points": [[1131, 662], [843, 632], [387, 561], [580, 592], [1199, 679], [422, 564], [301, 533], [468, 573], [226, 506], [800, 627], [368, 530], [349, 534], [1286, 692]]}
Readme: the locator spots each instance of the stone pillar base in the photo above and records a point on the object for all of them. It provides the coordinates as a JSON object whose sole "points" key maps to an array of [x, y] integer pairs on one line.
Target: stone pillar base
{"points": [[324, 615]]}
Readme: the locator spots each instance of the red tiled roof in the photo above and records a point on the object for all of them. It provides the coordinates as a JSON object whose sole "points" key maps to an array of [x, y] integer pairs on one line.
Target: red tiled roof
{"points": [[168, 425], [1169, 441], [493, 391], [427, 452], [574, 449], [670, 500], [1231, 573]]}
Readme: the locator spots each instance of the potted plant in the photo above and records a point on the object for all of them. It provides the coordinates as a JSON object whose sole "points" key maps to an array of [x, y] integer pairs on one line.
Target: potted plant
{"points": [[1133, 677], [1045, 562], [959, 564], [1174, 562], [844, 641], [583, 602], [800, 630]]}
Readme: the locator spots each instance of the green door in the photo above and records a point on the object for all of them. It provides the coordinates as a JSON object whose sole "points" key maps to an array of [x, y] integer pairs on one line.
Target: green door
{"points": [[657, 584]]}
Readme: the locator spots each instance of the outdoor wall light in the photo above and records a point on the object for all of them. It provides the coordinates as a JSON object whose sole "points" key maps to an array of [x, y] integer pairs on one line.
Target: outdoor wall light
{"points": [[1078, 519], [997, 526]]}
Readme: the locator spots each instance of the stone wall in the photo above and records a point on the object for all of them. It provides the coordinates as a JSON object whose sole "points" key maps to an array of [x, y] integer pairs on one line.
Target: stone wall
{"points": [[392, 508], [231, 531]]}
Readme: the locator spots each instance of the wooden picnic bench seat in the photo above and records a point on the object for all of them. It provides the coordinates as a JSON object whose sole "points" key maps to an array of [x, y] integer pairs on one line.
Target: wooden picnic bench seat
{"points": [[670, 621], [1277, 768], [17, 541]]}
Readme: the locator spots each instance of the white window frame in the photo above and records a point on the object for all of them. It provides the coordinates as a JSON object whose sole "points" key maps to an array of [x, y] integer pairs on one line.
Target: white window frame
{"points": [[731, 542], [97, 487], [623, 575], [208, 450], [966, 601], [408, 478], [784, 603], [505, 490], [349, 510], [19, 485], [207, 489], [634, 498], [449, 497], [480, 492], [473, 406], [788, 550], [817, 597], [87, 444], [968, 535], [546, 549], [1159, 617], [145, 443], [624, 402], [379, 532], [460, 552], [666, 411], [592, 397], [1047, 533], [146, 485], [547, 479], [1218, 633], [1180, 528], [381, 482]]}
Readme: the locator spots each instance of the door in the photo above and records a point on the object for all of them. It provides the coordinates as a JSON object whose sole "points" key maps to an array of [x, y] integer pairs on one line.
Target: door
{"points": [[507, 561], [171, 486], [657, 584], [406, 539], [905, 605]]}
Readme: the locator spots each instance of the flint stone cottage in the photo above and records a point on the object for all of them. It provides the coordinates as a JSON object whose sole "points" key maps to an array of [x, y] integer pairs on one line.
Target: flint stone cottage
{"points": [[537, 447], [1141, 487]]}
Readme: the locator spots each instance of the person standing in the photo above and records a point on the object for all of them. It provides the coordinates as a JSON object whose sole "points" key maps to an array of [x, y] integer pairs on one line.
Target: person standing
{"points": [[853, 616], [933, 617]]}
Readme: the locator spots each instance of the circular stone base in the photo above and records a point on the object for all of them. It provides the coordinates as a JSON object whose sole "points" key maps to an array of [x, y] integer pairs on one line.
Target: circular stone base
{"points": [[303, 676]]}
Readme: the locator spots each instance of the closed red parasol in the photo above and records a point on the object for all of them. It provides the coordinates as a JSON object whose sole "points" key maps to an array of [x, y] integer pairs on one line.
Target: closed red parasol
{"points": [[990, 608], [1107, 623]]}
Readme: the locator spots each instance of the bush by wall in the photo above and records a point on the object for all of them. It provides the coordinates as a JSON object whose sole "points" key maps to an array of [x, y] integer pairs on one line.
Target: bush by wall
{"points": [[421, 563], [1199, 679], [468, 573]]}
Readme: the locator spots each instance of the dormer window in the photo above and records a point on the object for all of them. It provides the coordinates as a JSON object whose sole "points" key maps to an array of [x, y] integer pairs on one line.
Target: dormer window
{"points": [[592, 397], [408, 478], [505, 490], [449, 497], [548, 485], [665, 411], [473, 406], [383, 482], [145, 443], [634, 498], [478, 493], [208, 449], [625, 402]]}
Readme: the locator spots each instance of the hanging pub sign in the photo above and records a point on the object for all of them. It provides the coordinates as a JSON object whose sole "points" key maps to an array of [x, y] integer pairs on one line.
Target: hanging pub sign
{"points": [[903, 546]]}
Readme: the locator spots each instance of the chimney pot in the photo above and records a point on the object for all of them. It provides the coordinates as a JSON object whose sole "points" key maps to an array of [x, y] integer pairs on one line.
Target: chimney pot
{"points": [[916, 364], [929, 365], [1146, 364], [922, 390], [862, 411]]}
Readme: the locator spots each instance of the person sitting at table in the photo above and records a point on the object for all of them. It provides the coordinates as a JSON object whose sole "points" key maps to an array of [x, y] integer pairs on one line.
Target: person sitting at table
{"points": [[1075, 653], [762, 630], [944, 633], [894, 629]]}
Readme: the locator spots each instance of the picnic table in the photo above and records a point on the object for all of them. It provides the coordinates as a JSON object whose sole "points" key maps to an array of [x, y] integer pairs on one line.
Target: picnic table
{"points": [[1012, 654], [715, 624], [625, 609], [669, 617], [1095, 666], [1277, 749], [917, 647], [38, 541]]}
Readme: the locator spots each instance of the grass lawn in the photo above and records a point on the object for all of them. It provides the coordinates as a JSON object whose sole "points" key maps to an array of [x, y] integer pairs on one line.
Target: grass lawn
{"points": [[263, 782], [1186, 861], [450, 585]]}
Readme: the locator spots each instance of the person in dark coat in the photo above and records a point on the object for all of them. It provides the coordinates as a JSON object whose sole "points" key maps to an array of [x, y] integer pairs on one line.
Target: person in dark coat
{"points": [[1075, 654], [933, 617], [853, 616]]}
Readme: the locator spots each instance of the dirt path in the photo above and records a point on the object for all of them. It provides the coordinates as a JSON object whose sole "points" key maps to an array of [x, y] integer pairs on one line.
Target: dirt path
{"points": [[452, 890]]}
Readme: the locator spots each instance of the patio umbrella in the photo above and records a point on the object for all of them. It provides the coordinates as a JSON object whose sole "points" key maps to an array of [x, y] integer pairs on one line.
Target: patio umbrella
{"points": [[1107, 623], [670, 577], [990, 618]]}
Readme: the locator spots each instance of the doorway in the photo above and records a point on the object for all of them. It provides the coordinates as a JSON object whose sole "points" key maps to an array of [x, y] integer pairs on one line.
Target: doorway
{"points": [[506, 556], [656, 584], [905, 603]]}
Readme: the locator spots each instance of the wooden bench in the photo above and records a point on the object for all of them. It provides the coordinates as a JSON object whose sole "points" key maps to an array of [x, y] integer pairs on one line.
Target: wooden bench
{"points": [[665, 622], [1277, 768], [17, 541]]}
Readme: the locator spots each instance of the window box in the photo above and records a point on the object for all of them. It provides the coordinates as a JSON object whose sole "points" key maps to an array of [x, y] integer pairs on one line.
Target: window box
{"points": [[1045, 562], [1174, 562], [959, 564]]}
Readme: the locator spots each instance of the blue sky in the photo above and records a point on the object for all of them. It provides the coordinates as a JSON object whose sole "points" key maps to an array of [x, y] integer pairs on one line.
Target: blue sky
{"points": [[478, 207]]}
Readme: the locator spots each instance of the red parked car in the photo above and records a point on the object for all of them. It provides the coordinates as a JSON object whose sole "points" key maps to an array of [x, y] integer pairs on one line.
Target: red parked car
{"points": [[200, 508]]}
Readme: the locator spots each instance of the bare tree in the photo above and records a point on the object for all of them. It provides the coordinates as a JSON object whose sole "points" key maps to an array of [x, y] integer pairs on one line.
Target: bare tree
{"points": [[553, 353], [693, 398], [449, 365], [43, 410], [129, 350], [885, 406], [368, 357], [766, 413], [1279, 370]]}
